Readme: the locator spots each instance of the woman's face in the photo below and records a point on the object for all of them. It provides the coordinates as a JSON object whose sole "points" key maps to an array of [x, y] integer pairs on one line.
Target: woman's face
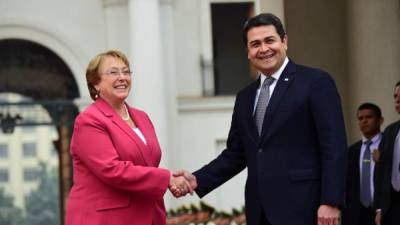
{"points": [[115, 80]]}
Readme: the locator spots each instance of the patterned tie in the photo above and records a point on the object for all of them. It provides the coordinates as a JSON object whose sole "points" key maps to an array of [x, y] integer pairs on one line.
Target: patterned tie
{"points": [[365, 193], [262, 103], [396, 164]]}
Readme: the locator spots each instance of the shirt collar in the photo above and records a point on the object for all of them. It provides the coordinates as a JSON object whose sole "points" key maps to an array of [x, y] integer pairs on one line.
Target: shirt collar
{"points": [[376, 138], [278, 73]]}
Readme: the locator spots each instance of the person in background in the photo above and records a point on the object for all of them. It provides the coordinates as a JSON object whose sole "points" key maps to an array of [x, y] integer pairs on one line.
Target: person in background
{"points": [[361, 167], [387, 185], [115, 154]]}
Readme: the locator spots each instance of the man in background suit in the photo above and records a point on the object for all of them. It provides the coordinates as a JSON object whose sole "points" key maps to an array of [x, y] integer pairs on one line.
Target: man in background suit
{"points": [[361, 166], [287, 129], [387, 185]]}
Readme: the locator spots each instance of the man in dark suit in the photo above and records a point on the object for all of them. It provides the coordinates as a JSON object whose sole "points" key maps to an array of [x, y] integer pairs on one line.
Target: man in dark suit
{"points": [[387, 185], [287, 129], [361, 166]]}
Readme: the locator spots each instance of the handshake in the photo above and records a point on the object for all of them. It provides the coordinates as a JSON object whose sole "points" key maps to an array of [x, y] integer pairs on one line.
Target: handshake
{"points": [[181, 183]]}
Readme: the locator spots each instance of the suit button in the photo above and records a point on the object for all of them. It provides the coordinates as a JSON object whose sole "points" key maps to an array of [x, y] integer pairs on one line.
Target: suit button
{"points": [[260, 150]]}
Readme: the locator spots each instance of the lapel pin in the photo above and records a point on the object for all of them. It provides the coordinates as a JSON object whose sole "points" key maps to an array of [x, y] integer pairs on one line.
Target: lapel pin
{"points": [[286, 79]]}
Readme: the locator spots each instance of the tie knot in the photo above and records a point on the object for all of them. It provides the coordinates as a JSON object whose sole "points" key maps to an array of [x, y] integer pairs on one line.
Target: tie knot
{"points": [[368, 143], [268, 81]]}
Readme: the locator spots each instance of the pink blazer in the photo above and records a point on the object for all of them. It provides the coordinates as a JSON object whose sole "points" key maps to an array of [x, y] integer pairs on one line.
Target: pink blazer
{"points": [[116, 176]]}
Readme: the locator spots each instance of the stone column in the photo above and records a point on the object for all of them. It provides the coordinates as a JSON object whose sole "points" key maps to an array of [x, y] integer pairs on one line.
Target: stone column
{"points": [[272, 6], [149, 78], [170, 152], [374, 56], [117, 26]]}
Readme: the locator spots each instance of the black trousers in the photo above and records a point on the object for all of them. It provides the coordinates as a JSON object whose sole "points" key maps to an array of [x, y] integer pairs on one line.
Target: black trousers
{"points": [[392, 217], [367, 216]]}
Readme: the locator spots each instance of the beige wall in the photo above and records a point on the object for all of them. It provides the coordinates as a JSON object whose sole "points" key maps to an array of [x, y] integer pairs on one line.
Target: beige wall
{"points": [[317, 38], [273, 6], [373, 31], [357, 42]]}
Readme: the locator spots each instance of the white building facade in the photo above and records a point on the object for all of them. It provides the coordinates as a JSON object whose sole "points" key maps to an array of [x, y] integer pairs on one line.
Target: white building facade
{"points": [[21, 154], [171, 47]]}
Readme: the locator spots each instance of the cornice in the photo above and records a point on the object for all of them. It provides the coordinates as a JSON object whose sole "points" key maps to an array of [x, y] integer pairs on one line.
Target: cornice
{"points": [[114, 2]]}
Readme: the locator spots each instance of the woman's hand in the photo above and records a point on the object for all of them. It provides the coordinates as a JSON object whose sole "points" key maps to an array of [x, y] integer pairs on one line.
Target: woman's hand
{"points": [[179, 186]]}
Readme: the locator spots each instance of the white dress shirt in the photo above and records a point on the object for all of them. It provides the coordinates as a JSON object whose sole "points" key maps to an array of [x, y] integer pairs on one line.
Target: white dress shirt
{"points": [[275, 75], [374, 145]]}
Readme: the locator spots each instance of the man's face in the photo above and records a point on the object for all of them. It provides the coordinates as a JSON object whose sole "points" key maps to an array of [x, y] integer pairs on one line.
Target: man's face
{"points": [[265, 49], [397, 99], [368, 122]]}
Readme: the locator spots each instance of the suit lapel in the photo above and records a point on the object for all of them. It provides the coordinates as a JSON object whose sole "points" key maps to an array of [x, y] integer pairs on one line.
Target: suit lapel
{"points": [[393, 137], [356, 163], [249, 107], [396, 130], [109, 112], [276, 99]]}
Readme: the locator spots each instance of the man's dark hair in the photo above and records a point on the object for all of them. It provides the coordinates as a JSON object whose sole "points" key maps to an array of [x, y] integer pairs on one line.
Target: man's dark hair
{"points": [[398, 83], [372, 107], [263, 19]]}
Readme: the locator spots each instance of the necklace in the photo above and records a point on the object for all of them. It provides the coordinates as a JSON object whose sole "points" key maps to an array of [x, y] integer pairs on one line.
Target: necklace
{"points": [[127, 114]]}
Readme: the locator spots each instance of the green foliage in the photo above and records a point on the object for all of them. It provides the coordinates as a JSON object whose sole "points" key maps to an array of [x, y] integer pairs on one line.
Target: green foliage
{"points": [[9, 214], [42, 205]]}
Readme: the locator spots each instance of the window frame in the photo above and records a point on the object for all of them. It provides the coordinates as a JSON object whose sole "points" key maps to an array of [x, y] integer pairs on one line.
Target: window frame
{"points": [[206, 37]]}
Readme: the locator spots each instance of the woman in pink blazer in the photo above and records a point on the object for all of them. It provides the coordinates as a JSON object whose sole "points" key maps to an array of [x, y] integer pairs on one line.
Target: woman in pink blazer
{"points": [[116, 154]]}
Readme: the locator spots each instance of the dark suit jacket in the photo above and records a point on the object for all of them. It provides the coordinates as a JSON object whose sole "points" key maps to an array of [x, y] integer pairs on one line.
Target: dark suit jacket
{"points": [[351, 213], [298, 162], [383, 182]]}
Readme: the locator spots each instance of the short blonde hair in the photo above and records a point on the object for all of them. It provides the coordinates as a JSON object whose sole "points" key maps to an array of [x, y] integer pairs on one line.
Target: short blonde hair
{"points": [[92, 70]]}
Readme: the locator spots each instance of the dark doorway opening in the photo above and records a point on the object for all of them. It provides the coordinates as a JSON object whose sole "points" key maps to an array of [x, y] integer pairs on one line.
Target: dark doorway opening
{"points": [[231, 67], [47, 88]]}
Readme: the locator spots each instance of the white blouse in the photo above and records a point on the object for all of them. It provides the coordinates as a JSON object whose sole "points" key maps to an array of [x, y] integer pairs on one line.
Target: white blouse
{"points": [[140, 134]]}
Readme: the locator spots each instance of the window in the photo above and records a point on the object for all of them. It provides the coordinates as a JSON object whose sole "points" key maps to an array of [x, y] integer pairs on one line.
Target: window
{"points": [[3, 175], [29, 149], [231, 67], [3, 150], [31, 174]]}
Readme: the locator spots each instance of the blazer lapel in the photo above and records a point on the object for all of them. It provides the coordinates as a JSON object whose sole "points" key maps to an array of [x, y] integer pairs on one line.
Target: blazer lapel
{"points": [[281, 87], [148, 135], [108, 111]]}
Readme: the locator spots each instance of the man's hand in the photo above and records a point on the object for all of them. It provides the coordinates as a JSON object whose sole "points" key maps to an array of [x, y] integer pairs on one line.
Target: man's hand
{"points": [[179, 186], [188, 176], [378, 218], [376, 155], [328, 215]]}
